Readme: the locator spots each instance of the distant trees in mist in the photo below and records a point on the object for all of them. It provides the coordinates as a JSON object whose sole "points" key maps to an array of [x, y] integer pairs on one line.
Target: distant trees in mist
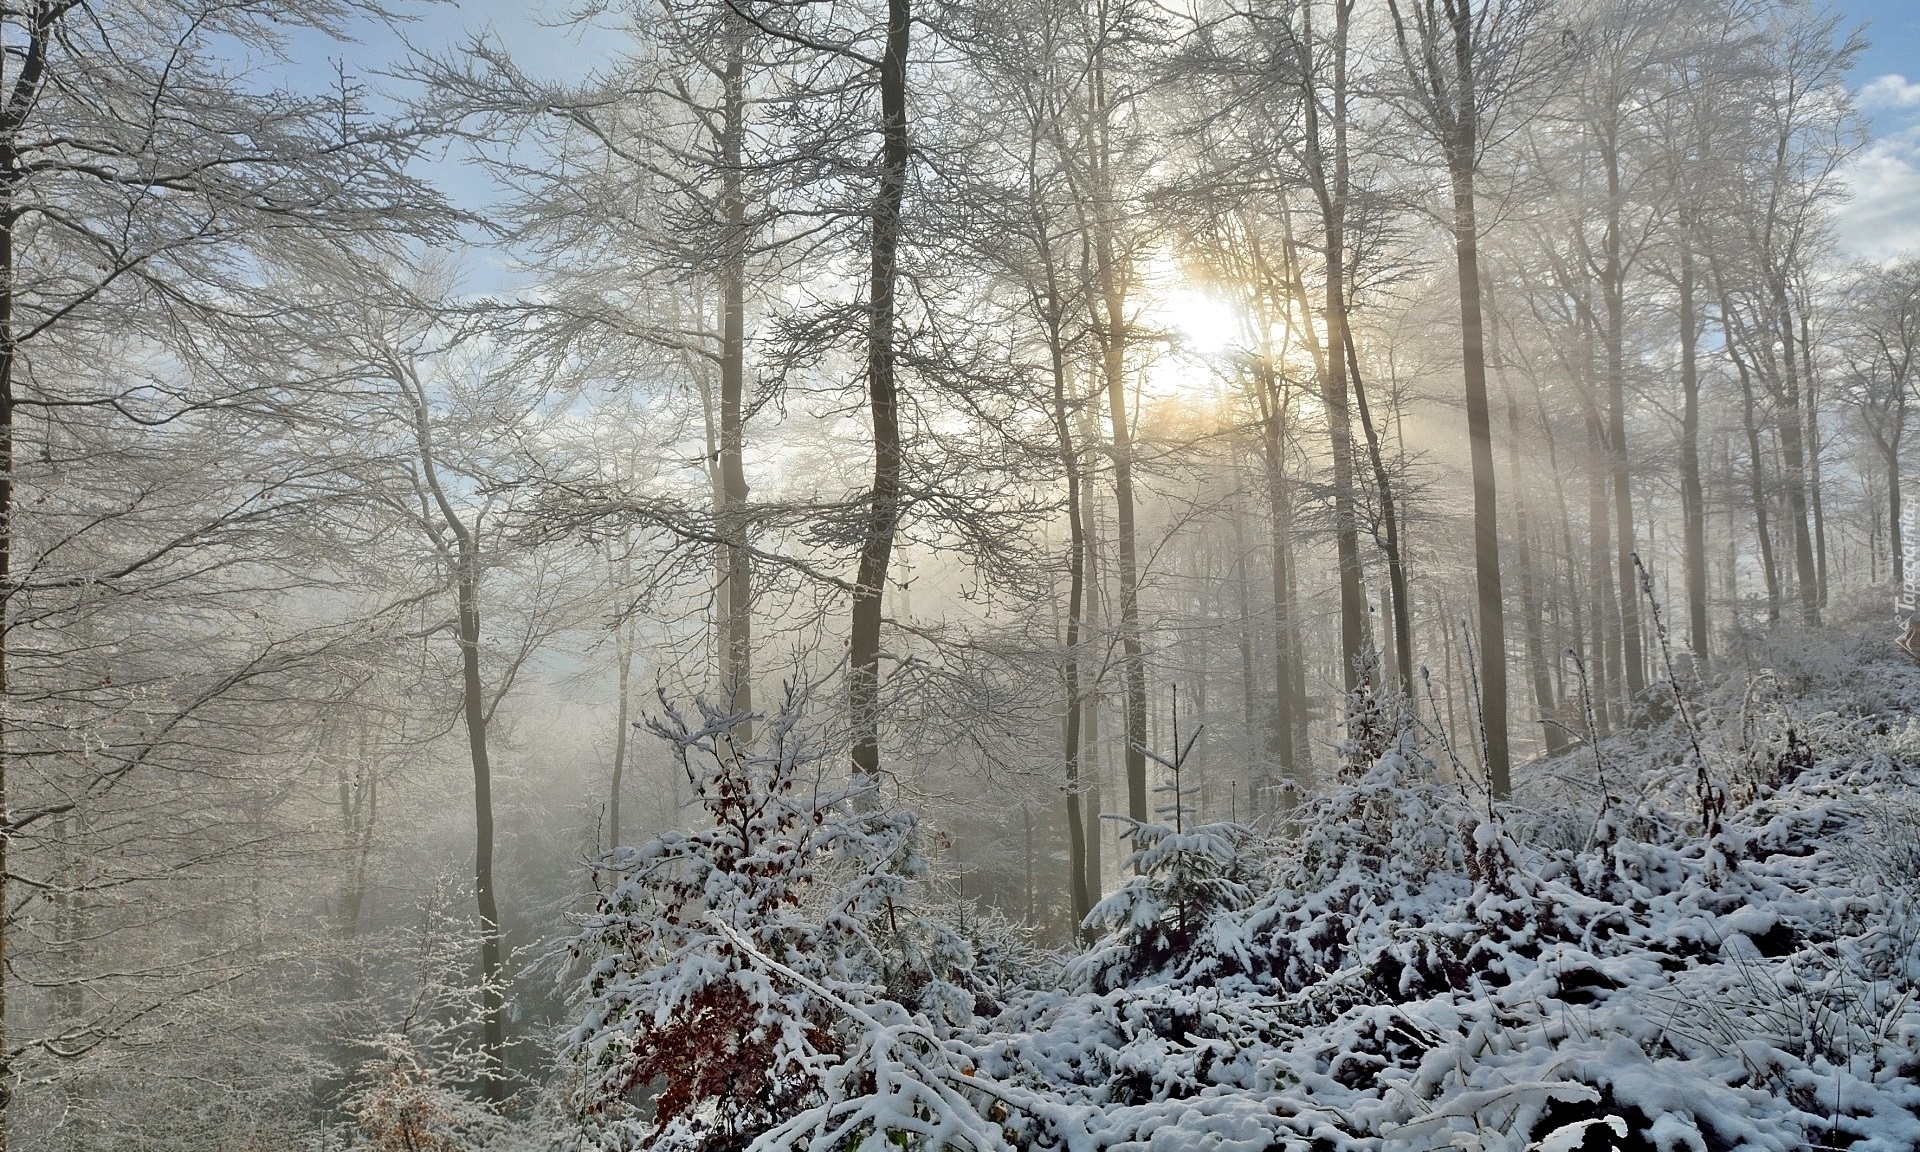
{"points": [[988, 373]]}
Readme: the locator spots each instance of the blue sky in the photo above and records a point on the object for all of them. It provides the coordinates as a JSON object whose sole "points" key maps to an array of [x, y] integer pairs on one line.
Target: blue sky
{"points": [[1881, 219]]}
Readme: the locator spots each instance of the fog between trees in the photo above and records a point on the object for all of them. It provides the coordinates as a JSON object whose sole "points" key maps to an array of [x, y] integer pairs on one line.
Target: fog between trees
{"points": [[415, 486]]}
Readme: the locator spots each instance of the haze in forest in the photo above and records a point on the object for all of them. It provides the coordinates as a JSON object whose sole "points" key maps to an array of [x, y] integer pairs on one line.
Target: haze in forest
{"points": [[783, 574]]}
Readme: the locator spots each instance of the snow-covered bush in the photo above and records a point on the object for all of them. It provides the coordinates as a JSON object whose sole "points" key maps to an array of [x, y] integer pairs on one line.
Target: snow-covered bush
{"points": [[717, 963], [1584, 968], [414, 1093], [1587, 968]]}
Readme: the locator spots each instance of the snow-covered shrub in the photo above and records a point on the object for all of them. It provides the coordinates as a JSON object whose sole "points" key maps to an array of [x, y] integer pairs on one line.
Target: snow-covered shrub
{"points": [[1408, 969], [718, 961], [953, 962], [403, 1104], [1395, 876], [414, 1093]]}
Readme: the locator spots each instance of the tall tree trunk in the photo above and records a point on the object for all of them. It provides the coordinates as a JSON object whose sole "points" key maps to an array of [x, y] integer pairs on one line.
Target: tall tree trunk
{"points": [[1451, 678], [1328, 176], [1813, 454], [1573, 597], [1094, 760], [1289, 678], [1756, 474], [474, 712], [1026, 818], [1133, 663], [1243, 597], [1111, 328], [1402, 606], [1791, 431], [1693, 502], [1463, 156], [883, 508], [1355, 634], [462, 552], [1613, 293], [699, 369], [1446, 73], [1605, 616], [737, 679], [1551, 735], [1894, 541], [359, 806], [8, 348], [20, 97], [622, 722], [1082, 892]]}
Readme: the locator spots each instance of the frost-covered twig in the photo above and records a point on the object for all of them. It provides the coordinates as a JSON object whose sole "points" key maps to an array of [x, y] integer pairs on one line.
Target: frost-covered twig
{"points": [[1711, 797], [1479, 717], [1439, 732]]}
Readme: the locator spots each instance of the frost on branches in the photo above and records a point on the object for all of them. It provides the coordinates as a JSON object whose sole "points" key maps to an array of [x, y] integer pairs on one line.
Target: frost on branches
{"points": [[413, 1093]]}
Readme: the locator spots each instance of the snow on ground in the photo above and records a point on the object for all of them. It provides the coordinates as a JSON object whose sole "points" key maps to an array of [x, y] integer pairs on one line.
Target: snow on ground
{"points": [[1703, 935], [1574, 974]]}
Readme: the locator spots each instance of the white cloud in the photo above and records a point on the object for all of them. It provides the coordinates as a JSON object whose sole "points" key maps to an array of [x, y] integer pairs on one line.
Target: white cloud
{"points": [[1890, 91], [1882, 219]]}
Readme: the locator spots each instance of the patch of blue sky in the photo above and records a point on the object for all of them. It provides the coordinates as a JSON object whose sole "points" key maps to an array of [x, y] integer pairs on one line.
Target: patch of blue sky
{"points": [[1882, 219], [544, 39]]}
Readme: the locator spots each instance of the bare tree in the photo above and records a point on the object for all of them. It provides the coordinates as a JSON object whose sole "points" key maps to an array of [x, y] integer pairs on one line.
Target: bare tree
{"points": [[148, 198], [1462, 60], [1880, 352]]}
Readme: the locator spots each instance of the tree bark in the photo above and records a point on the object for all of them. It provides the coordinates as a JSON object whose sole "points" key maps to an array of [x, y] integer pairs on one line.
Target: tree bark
{"points": [[1606, 670], [1112, 329], [1813, 455], [1447, 77], [1094, 761], [1402, 605], [1613, 293], [20, 98], [737, 639], [1328, 176], [1894, 540], [1243, 599], [1077, 859], [621, 724], [1289, 678], [883, 507], [1789, 428], [1551, 736], [1693, 503], [464, 556], [1756, 476], [1576, 623], [472, 689]]}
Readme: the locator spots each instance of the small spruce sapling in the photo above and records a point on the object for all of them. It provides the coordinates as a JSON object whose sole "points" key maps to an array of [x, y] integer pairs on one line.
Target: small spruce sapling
{"points": [[1185, 874]]}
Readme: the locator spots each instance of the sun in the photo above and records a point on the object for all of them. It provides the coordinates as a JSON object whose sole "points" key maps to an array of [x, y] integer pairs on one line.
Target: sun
{"points": [[1201, 323], [1201, 334]]}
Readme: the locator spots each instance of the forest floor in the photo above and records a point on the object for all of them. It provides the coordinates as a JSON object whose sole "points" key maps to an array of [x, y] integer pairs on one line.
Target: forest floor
{"points": [[1705, 935]]}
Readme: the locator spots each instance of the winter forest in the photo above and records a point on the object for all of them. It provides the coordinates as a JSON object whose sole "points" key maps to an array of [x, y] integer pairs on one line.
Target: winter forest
{"points": [[818, 575]]}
